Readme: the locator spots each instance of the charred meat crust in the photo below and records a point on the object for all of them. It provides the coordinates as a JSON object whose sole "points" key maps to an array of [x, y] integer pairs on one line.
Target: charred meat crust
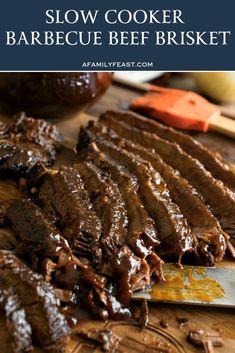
{"points": [[35, 233], [25, 142], [49, 327], [18, 159], [37, 131], [15, 331]]}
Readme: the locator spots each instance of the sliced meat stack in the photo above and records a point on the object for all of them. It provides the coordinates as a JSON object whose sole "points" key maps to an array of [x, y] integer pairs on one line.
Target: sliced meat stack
{"points": [[216, 194], [212, 161], [193, 211], [91, 213], [139, 193], [26, 141], [174, 233]]}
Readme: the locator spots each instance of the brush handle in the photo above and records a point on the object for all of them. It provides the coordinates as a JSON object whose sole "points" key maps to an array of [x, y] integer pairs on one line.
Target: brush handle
{"points": [[223, 125]]}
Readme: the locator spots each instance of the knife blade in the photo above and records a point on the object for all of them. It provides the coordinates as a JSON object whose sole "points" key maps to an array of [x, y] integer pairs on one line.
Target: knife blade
{"points": [[192, 285]]}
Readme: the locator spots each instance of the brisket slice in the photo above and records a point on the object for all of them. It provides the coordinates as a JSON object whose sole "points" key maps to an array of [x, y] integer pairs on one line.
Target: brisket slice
{"points": [[108, 203], [15, 331], [25, 142], [37, 131], [142, 234], [35, 233], [63, 194], [18, 158], [49, 327], [219, 198], [212, 161], [173, 230], [110, 207], [211, 241]]}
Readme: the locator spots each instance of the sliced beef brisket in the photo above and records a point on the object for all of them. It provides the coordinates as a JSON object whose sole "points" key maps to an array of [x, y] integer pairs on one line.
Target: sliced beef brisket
{"points": [[108, 204], [49, 327], [18, 158], [25, 142], [96, 232], [211, 240], [212, 161], [220, 199], [110, 207], [63, 195], [38, 131], [142, 234], [15, 331], [173, 230], [36, 234]]}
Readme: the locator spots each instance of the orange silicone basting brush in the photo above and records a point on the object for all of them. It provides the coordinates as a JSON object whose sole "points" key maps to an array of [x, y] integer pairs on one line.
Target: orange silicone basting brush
{"points": [[183, 110]]}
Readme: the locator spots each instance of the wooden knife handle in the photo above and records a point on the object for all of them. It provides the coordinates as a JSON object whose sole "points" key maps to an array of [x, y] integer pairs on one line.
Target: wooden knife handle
{"points": [[223, 125]]}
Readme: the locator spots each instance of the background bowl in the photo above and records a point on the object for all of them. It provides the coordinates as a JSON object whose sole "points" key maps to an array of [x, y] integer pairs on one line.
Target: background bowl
{"points": [[51, 94]]}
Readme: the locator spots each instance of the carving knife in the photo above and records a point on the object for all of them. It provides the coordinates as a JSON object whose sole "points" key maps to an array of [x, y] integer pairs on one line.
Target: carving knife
{"points": [[194, 285]]}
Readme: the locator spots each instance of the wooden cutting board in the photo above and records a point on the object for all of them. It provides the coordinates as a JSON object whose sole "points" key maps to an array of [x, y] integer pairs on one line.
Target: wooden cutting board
{"points": [[134, 340]]}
